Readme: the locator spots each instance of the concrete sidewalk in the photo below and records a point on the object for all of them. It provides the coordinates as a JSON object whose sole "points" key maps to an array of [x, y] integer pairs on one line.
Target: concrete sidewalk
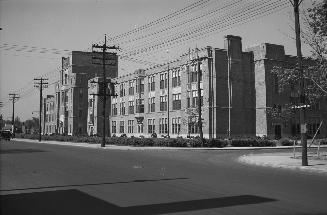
{"points": [[288, 161], [110, 146]]}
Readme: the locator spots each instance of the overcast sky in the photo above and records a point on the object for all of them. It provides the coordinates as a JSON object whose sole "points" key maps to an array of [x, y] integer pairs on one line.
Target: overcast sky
{"points": [[76, 24]]}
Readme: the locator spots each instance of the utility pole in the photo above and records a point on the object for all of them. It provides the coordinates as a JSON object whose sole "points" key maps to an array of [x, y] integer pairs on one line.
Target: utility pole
{"points": [[199, 73], [303, 124], [104, 48], [39, 82], [13, 98]]}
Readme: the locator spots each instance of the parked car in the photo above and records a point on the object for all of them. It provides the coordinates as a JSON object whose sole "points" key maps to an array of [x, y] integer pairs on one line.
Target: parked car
{"points": [[6, 135]]}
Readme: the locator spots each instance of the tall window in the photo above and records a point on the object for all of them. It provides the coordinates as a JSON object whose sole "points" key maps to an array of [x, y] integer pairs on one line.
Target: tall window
{"points": [[194, 98], [177, 101], [140, 85], [121, 127], [131, 87], [122, 90], [139, 105], [163, 103], [151, 105], [114, 127], [131, 107], [151, 83], [163, 126], [192, 125], [114, 109], [130, 128], [176, 125], [122, 108], [192, 75], [176, 80], [140, 128], [163, 80], [151, 126]]}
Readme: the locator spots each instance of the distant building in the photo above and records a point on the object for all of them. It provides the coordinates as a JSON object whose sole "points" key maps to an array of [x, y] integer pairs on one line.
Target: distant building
{"points": [[72, 89], [49, 119]]}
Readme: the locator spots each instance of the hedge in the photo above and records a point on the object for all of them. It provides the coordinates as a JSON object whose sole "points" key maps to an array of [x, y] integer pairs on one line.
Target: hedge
{"points": [[164, 142]]}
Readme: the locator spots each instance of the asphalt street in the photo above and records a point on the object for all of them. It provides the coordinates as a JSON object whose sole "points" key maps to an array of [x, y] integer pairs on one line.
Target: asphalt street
{"points": [[54, 179]]}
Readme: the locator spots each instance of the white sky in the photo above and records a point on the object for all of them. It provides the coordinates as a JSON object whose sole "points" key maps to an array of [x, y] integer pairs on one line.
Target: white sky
{"points": [[76, 24]]}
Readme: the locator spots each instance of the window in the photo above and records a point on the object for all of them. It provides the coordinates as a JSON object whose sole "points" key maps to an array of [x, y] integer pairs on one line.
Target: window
{"points": [[177, 101], [91, 120], [151, 105], [122, 108], [188, 99], [151, 126], [114, 109], [192, 125], [91, 101], [114, 127], [140, 128], [130, 127], [176, 81], [140, 85], [192, 74], [151, 83], [131, 107], [139, 105], [194, 98], [66, 78], [131, 87], [163, 103], [122, 90], [163, 126], [121, 127], [176, 125], [163, 80]]}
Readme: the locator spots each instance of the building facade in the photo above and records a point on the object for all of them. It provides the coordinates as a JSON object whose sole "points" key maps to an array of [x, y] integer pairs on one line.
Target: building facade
{"points": [[72, 89], [49, 115], [238, 89], [266, 56], [164, 101]]}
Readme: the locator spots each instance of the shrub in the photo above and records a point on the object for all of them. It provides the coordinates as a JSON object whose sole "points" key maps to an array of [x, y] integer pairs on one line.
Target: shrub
{"points": [[285, 142], [219, 143]]}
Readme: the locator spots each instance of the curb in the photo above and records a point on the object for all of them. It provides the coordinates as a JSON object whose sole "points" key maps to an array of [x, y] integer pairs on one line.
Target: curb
{"points": [[108, 146]]}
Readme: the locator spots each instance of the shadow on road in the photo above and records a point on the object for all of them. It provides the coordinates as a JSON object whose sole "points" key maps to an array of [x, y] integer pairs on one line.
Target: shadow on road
{"points": [[19, 151], [77, 202], [95, 184]]}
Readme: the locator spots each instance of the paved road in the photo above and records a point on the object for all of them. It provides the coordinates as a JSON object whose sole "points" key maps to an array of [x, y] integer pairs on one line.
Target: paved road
{"points": [[52, 179]]}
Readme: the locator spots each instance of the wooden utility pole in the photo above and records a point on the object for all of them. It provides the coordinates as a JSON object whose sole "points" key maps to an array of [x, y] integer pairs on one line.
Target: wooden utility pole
{"points": [[303, 124], [40, 83], [104, 94], [199, 73], [13, 98]]}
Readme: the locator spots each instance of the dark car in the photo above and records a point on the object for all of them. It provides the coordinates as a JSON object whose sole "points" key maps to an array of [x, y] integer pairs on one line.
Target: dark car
{"points": [[6, 135]]}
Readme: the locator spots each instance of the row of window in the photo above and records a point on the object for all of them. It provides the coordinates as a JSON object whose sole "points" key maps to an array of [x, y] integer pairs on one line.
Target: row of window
{"points": [[163, 126], [139, 87], [192, 101]]}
